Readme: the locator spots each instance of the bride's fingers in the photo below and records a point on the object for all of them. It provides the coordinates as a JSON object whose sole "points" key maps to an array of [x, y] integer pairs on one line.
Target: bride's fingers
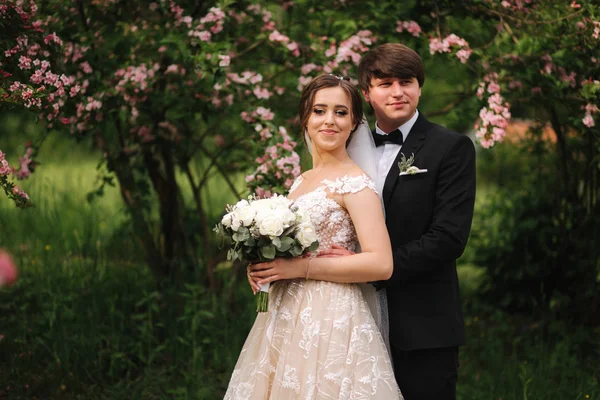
{"points": [[262, 273], [253, 285], [331, 253], [270, 279], [259, 267]]}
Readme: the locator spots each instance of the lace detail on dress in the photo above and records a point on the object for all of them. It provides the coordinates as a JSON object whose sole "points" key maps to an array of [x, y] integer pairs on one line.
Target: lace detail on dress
{"points": [[332, 222], [350, 184], [319, 340]]}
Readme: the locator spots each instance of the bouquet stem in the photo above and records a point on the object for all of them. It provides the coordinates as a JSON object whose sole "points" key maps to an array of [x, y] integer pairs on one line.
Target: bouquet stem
{"points": [[262, 299]]}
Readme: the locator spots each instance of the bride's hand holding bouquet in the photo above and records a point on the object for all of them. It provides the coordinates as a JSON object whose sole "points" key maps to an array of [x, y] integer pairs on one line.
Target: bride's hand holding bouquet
{"points": [[261, 230]]}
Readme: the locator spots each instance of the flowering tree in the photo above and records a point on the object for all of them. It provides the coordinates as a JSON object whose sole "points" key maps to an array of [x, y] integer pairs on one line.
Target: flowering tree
{"points": [[169, 87]]}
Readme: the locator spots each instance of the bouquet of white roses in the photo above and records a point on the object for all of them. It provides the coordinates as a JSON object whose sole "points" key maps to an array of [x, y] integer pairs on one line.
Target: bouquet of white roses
{"points": [[259, 230]]}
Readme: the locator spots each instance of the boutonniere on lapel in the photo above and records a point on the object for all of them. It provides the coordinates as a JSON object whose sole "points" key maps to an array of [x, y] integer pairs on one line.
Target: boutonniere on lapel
{"points": [[407, 167]]}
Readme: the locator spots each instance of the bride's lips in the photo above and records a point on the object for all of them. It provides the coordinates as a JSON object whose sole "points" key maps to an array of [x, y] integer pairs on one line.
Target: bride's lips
{"points": [[328, 132]]}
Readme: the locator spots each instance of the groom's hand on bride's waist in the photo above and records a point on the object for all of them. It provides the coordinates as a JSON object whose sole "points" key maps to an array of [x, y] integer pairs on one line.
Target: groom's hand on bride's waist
{"points": [[335, 251]]}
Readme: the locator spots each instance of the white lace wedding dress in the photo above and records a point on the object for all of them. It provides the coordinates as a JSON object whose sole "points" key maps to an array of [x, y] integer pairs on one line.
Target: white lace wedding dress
{"points": [[318, 340]]}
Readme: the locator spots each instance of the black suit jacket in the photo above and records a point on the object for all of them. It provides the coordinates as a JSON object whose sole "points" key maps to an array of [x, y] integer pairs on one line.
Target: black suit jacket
{"points": [[428, 217]]}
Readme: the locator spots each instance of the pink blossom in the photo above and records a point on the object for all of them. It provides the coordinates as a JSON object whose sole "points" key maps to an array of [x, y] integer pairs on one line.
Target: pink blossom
{"points": [[265, 134], [277, 36], [24, 62], [515, 85], [588, 121], [74, 90], [536, 90], [293, 47], [454, 40], [225, 60], [493, 87], [409, 26], [591, 108], [53, 38], [172, 69], [204, 36], [308, 68], [261, 93], [330, 51], [265, 113], [85, 66], [463, 55], [438, 46], [8, 270], [4, 168], [575, 5]]}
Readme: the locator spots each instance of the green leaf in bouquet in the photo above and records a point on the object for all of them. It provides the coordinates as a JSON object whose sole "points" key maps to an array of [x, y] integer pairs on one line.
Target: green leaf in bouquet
{"points": [[276, 242], [285, 244], [241, 235], [296, 250], [268, 252], [314, 246], [250, 242], [289, 231], [231, 254], [263, 241]]}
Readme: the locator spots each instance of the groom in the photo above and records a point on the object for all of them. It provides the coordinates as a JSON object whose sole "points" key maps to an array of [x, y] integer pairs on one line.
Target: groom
{"points": [[428, 216]]}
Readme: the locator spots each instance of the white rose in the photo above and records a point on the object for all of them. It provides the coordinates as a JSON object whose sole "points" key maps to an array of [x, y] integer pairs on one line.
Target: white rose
{"points": [[285, 215], [262, 204], [245, 215], [242, 203], [302, 216], [261, 215], [281, 201], [306, 235], [236, 223], [271, 226], [226, 221]]}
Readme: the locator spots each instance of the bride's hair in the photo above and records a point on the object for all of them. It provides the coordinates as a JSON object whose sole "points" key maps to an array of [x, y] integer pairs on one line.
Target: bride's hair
{"points": [[307, 99]]}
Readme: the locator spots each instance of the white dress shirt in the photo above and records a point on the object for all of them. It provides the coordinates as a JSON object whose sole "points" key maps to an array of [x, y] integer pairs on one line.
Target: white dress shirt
{"points": [[386, 154]]}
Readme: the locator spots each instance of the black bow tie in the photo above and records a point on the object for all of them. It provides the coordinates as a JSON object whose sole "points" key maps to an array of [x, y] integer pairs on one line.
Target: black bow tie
{"points": [[392, 137]]}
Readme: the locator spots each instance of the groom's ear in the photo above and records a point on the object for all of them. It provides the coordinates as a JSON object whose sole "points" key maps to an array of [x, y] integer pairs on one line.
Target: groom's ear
{"points": [[366, 95]]}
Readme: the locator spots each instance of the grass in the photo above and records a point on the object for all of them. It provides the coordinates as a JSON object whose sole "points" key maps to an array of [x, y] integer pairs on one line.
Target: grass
{"points": [[85, 320]]}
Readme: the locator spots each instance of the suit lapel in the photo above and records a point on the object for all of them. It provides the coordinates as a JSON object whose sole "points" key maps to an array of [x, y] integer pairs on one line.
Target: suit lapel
{"points": [[414, 141]]}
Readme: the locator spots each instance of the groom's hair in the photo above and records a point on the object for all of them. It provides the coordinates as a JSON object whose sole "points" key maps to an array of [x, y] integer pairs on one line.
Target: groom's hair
{"points": [[390, 60], [307, 98]]}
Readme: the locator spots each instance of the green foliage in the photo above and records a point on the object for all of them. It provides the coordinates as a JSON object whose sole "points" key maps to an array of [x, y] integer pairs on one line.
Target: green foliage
{"points": [[539, 251]]}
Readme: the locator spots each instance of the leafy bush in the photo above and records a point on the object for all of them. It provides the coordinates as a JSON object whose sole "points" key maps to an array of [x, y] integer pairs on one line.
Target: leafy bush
{"points": [[537, 243]]}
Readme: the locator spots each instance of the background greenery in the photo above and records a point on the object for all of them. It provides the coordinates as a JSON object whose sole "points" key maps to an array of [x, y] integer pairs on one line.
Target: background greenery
{"points": [[89, 320]]}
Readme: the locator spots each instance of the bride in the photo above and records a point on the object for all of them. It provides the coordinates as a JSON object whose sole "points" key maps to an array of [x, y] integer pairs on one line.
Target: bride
{"points": [[319, 339]]}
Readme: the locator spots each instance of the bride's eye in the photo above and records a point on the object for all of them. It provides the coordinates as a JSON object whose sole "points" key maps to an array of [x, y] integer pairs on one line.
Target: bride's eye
{"points": [[318, 111], [341, 113]]}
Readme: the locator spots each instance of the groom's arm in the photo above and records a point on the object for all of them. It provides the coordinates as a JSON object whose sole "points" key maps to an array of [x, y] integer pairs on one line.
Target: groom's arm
{"points": [[451, 223]]}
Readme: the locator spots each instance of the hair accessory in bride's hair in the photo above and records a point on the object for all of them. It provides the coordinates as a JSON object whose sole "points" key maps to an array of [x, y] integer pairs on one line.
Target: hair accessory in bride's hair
{"points": [[340, 77]]}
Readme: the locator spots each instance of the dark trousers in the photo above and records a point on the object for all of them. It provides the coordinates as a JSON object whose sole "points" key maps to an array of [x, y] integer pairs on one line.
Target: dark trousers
{"points": [[428, 374]]}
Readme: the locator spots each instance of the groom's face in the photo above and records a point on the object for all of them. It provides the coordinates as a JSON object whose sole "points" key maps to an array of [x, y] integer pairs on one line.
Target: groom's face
{"points": [[394, 100]]}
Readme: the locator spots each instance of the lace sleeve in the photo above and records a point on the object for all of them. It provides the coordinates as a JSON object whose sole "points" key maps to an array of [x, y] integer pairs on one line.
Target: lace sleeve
{"points": [[350, 184]]}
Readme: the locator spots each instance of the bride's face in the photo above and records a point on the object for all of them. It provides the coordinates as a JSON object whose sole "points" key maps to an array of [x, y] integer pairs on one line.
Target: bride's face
{"points": [[330, 121]]}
